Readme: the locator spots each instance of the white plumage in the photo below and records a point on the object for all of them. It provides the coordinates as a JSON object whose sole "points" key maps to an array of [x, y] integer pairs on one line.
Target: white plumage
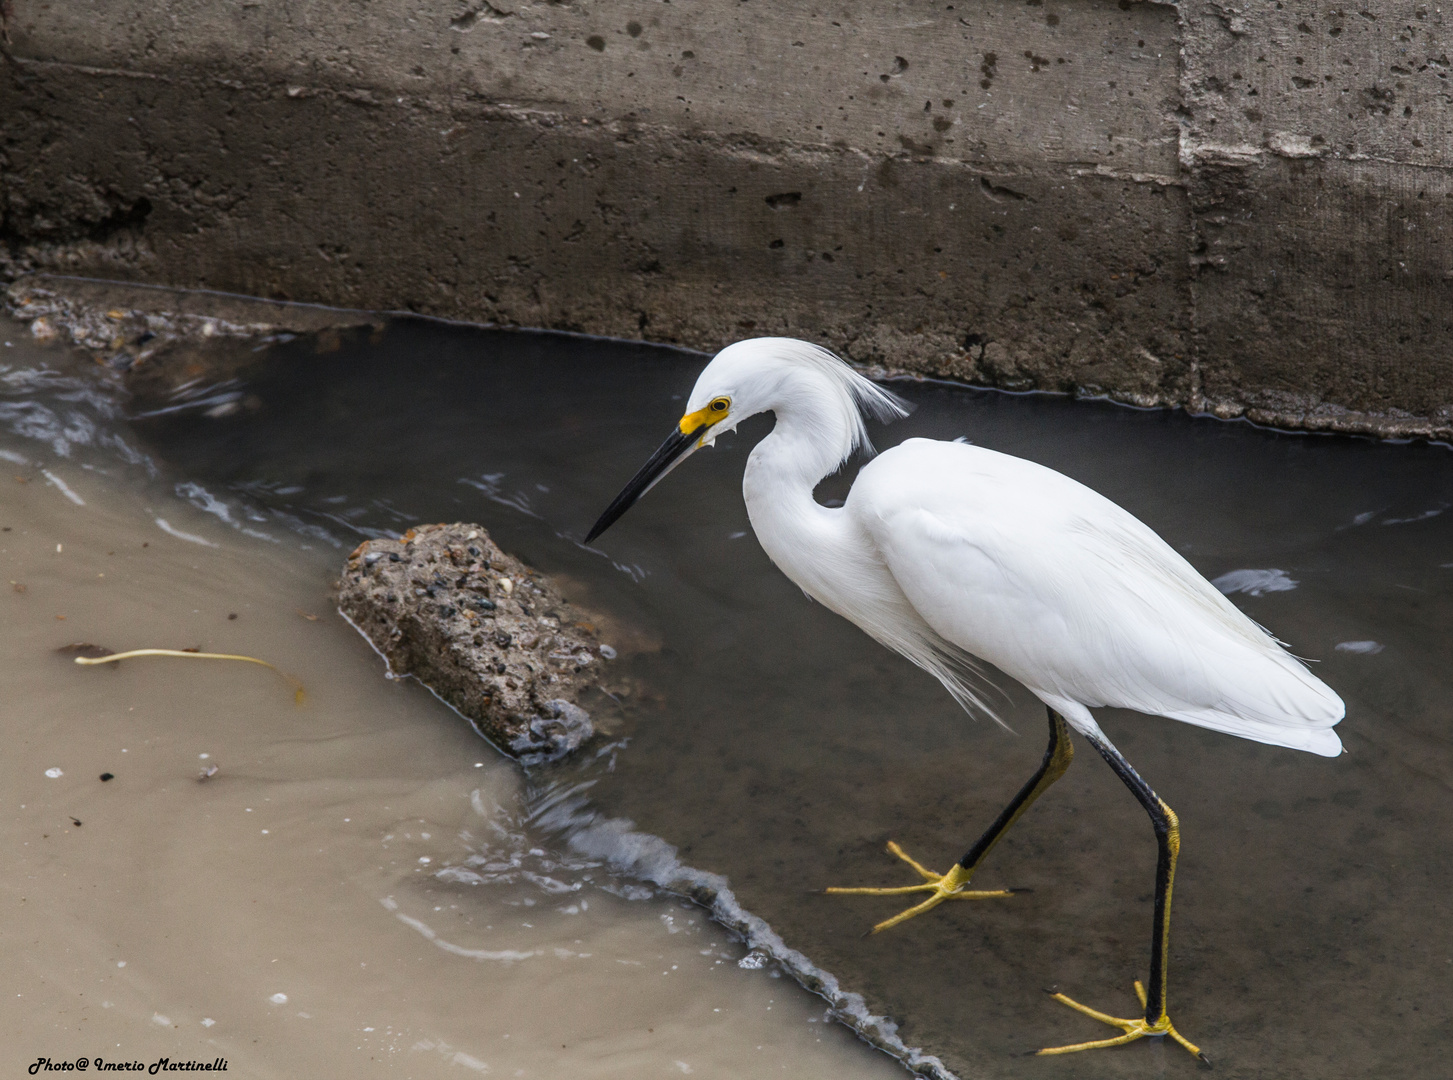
{"points": [[951, 554], [945, 551]]}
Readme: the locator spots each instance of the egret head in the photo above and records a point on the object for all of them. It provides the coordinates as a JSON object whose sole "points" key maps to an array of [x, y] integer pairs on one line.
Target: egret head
{"points": [[762, 375]]}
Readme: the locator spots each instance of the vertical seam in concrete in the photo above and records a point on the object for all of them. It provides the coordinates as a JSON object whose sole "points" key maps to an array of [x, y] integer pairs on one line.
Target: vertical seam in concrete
{"points": [[1194, 398]]}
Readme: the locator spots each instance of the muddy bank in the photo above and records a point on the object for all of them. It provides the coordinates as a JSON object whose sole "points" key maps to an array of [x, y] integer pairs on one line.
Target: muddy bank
{"points": [[493, 638]]}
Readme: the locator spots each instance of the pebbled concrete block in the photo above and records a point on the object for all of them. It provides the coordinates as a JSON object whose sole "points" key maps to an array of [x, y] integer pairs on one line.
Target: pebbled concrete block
{"points": [[489, 636]]}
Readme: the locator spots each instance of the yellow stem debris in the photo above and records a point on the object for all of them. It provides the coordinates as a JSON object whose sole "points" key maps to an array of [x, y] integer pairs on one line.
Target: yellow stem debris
{"points": [[89, 660]]}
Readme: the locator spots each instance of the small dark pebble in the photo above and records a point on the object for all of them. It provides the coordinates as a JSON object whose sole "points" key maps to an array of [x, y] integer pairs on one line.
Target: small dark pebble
{"points": [[108, 776], [393, 556], [232, 614]]}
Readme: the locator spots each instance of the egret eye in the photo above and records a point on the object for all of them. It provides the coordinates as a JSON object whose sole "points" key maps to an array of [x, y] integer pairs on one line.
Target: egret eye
{"points": [[720, 405]]}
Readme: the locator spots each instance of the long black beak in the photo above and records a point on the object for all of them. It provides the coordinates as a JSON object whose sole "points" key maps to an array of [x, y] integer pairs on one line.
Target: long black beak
{"points": [[673, 451]]}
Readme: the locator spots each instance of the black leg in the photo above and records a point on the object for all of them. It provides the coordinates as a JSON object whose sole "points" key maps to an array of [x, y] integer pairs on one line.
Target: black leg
{"points": [[1057, 758], [1168, 839], [1156, 1020], [954, 884]]}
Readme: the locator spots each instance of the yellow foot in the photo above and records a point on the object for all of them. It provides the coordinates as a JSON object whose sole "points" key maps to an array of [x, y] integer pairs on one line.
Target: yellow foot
{"points": [[1134, 1029], [942, 887]]}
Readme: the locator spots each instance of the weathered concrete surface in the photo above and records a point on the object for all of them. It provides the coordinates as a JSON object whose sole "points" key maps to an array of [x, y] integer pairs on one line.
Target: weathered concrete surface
{"points": [[491, 637], [1318, 152], [1158, 203]]}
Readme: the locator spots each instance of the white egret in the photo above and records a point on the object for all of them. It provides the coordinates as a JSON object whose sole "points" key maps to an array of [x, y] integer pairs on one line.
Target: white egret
{"points": [[947, 552]]}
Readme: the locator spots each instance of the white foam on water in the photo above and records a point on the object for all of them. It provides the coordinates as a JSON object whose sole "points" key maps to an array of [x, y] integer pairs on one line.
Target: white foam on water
{"points": [[1254, 582], [57, 482], [171, 530]]}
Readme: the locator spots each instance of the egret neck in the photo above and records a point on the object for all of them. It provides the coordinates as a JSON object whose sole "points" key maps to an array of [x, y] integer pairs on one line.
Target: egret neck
{"points": [[818, 547]]}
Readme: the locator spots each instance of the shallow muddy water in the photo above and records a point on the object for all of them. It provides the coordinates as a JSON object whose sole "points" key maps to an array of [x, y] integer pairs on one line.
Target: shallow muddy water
{"points": [[357, 890], [780, 748]]}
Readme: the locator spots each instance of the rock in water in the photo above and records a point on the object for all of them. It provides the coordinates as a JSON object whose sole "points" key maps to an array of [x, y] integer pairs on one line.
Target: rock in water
{"points": [[490, 636]]}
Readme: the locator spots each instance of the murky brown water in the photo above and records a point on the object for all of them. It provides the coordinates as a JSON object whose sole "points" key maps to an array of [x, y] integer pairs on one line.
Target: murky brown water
{"points": [[781, 748], [289, 913]]}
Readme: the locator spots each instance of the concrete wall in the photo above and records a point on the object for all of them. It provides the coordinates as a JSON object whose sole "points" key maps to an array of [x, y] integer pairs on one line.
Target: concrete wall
{"points": [[1240, 208]]}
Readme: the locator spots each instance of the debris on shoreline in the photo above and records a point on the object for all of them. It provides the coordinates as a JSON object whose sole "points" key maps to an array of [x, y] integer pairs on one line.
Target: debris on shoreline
{"points": [[493, 638], [172, 346]]}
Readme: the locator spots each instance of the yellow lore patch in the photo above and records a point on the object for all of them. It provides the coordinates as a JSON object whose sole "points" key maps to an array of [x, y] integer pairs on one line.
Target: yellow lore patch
{"points": [[693, 422]]}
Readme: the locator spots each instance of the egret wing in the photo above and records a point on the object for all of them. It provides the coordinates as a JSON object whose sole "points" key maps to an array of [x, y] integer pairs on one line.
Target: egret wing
{"points": [[1078, 599]]}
